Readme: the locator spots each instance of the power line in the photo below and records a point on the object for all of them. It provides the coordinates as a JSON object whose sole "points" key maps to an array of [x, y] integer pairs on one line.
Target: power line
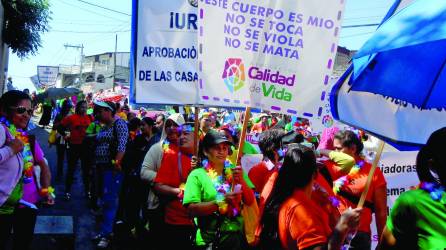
{"points": [[84, 24], [105, 8], [87, 10]]}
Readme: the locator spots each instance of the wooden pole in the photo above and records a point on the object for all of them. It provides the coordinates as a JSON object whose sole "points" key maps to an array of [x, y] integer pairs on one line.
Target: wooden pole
{"points": [[370, 177], [243, 135], [196, 131]]}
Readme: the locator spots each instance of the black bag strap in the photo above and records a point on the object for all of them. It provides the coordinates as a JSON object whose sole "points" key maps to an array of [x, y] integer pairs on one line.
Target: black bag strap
{"points": [[353, 199], [32, 145]]}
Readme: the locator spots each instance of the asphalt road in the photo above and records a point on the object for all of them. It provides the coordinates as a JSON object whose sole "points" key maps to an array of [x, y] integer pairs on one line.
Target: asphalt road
{"points": [[83, 221]]}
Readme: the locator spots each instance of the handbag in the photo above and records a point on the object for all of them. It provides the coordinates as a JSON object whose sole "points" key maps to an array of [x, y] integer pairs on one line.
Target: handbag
{"points": [[52, 136]]}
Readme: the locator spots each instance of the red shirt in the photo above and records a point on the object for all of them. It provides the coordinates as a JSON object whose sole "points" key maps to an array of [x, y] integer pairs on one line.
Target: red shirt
{"points": [[168, 174], [77, 124], [259, 175]]}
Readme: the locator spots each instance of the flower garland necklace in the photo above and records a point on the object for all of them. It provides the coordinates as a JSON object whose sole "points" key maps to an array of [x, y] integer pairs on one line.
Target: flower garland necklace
{"points": [[21, 135], [333, 200], [337, 185], [222, 184], [436, 191]]}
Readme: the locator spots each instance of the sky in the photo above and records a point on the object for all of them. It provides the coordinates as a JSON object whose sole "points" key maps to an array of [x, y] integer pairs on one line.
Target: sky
{"points": [[77, 23]]}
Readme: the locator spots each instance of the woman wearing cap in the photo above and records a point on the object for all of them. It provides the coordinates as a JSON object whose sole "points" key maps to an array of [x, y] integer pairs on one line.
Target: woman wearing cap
{"points": [[111, 143], [150, 166], [214, 193]]}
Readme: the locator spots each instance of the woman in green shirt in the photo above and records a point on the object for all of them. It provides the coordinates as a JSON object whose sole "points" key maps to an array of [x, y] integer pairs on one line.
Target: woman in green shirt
{"points": [[214, 194], [418, 218]]}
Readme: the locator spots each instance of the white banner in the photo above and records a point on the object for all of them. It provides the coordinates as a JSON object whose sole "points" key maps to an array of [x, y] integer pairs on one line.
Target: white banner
{"points": [[275, 55], [399, 169], [387, 117], [47, 76], [165, 52]]}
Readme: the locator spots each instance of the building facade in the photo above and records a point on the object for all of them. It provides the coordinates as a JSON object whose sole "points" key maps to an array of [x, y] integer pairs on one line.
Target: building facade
{"points": [[98, 70]]}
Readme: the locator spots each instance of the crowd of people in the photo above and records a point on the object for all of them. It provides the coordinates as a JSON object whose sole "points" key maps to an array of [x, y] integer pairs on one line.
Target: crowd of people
{"points": [[141, 176]]}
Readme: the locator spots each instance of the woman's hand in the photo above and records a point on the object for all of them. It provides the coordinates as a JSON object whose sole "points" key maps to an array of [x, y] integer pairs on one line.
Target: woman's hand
{"points": [[237, 175], [16, 145], [233, 198], [349, 220], [50, 200]]}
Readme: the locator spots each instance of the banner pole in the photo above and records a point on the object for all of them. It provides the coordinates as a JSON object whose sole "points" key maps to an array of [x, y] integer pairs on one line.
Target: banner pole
{"points": [[243, 135], [196, 131], [370, 177]]}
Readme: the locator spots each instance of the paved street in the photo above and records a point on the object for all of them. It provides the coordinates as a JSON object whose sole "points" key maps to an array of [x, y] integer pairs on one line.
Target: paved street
{"points": [[83, 220]]}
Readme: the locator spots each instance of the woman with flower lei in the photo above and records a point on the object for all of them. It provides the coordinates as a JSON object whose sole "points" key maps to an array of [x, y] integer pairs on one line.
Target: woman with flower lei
{"points": [[215, 193], [291, 218], [349, 183], [418, 217], [17, 207]]}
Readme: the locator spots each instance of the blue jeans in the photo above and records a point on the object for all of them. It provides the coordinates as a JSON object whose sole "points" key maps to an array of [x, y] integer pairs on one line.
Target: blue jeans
{"points": [[112, 181]]}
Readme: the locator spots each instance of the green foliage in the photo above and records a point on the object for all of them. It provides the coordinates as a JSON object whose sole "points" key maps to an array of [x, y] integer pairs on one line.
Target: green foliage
{"points": [[25, 20]]}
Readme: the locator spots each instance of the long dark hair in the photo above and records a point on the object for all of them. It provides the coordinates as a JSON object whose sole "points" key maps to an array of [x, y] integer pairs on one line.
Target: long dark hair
{"points": [[10, 99], [65, 109], [297, 171], [79, 105], [431, 159]]}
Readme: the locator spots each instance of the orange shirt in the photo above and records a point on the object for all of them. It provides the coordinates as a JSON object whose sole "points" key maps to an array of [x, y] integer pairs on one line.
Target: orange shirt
{"points": [[356, 186], [259, 175], [302, 223], [168, 174], [318, 197], [258, 128], [322, 191]]}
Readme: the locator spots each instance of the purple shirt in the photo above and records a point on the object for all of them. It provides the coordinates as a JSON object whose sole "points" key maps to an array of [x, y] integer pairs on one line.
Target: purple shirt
{"points": [[30, 190]]}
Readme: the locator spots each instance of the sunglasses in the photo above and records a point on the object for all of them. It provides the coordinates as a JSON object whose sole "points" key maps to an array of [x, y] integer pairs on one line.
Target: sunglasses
{"points": [[20, 110]]}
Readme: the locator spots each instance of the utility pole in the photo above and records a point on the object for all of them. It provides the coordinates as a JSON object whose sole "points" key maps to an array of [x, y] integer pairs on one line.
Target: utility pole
{"points": [[114, 62], [81, 61]]}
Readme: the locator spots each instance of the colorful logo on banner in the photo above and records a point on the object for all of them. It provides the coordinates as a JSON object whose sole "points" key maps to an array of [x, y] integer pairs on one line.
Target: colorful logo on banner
{"points": [[327, 121], [234, 74]]}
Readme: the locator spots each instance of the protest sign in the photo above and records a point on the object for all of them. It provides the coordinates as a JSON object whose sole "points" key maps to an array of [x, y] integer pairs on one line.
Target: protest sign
{"points": [[274, 55], [47, 76], [399, 170], [164, 41]]}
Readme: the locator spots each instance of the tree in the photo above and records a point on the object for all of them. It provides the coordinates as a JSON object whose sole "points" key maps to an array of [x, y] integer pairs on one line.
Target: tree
{"points": [[25, 20]]}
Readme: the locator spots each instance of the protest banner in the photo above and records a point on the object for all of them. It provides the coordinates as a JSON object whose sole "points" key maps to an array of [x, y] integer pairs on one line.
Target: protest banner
{"points": [[399, 169], [274, 55], [164, 53], [47, 76]]}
